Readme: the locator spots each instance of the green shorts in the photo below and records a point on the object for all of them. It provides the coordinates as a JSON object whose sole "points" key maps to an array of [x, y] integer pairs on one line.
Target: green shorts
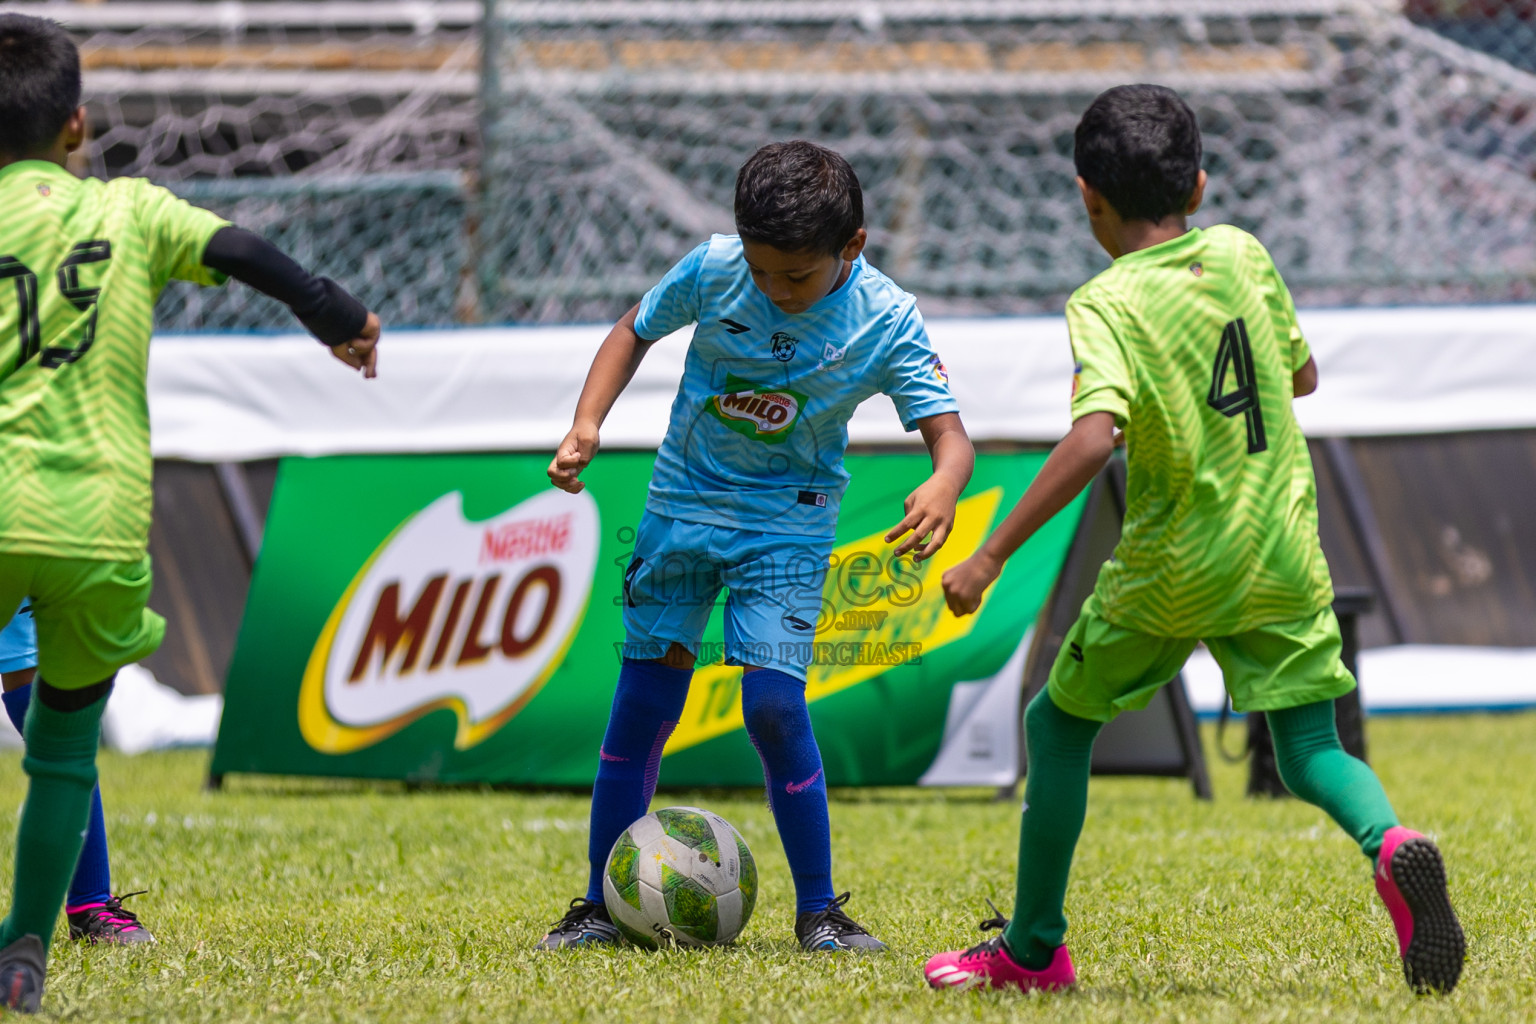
{"points": [[91, 615], [1104, 669]]}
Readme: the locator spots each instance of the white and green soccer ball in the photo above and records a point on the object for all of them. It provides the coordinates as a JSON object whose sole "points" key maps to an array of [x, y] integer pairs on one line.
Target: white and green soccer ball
{"points": [[680, 875]]}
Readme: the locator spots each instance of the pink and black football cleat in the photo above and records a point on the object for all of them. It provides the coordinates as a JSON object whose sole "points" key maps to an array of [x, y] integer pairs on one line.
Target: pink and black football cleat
{"points": [[1410, 877], [108, 923], [990, 965]]}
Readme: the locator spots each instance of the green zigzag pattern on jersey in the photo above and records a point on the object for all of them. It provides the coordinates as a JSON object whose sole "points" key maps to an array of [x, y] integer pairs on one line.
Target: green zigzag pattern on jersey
{"points": [[75, 471], [1253, 557]]}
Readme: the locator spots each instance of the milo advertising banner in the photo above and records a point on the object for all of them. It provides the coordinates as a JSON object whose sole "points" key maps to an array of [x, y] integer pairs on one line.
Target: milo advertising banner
{"points": [[454, 618]]}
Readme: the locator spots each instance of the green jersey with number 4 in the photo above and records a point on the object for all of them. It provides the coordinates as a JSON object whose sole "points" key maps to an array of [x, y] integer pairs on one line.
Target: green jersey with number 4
{"points": [[81, 265], [1192, 344]]}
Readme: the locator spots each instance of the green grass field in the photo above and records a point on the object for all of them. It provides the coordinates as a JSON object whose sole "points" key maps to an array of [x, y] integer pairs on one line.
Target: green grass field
{"points": [[315, 901]]}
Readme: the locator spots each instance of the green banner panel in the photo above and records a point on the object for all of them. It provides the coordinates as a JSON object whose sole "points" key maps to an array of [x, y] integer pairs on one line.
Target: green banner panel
{"points": [[453, 618]]}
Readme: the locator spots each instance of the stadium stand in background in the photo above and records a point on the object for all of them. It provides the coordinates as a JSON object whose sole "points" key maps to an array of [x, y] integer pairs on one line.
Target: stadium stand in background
{"points": [[1384, 153]]}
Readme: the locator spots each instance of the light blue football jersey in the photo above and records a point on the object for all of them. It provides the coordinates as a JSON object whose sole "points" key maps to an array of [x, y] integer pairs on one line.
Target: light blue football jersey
{"points": [[760, 422]]}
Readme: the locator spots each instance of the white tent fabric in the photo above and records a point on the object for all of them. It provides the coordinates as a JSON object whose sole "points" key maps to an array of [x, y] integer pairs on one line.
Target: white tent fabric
{"points": [[145, 714], [230, 398], [1411, 677]]}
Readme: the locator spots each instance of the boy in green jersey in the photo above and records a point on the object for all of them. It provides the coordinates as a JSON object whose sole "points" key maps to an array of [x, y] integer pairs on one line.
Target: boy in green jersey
{"points": [[81, 265], [1189, 344]]}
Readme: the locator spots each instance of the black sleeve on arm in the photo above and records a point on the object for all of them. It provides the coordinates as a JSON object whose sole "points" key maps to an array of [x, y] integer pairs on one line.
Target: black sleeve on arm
{"points": [[323, 306]]}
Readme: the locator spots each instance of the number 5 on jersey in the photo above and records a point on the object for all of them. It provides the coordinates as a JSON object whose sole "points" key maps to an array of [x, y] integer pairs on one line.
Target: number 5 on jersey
{"points": [[83, 299], [1234, 351]]}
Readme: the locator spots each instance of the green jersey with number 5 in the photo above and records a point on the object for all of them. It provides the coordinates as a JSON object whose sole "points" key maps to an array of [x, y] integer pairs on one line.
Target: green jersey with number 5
{"points": [[1192, 344], [82, 262]]}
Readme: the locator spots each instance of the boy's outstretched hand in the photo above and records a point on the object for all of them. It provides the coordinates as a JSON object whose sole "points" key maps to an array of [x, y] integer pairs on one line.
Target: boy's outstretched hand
{"points": [[965, 583], [361, 353], [572, 457], [930, 510]]}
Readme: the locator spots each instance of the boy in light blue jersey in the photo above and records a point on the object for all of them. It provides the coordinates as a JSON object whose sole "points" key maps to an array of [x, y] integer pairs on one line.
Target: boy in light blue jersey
{"points": [[95, 914], [794, 330]]}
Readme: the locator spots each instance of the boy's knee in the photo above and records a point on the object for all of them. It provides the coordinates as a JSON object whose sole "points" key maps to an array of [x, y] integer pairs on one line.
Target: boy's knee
{"points": [[1302, 735], [78, 699], [73, 770], [677, 657], [772, 706], [1036, 713], [766, 719]]}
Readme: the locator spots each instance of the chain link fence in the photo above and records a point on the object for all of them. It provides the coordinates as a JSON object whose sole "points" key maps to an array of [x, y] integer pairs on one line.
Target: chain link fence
{"points": [[549, 162], [396, 239], [1505, 29], [1379, 161]]}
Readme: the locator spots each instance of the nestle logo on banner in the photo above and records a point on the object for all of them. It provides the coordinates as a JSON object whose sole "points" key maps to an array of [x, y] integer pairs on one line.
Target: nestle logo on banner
{"points": [[452, 614], [525, 539]]}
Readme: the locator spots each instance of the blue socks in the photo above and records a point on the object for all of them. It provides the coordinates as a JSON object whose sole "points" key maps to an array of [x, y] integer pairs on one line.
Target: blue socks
{"points": [[93, 874], [779, 726], [16, 702], [646, 708]]}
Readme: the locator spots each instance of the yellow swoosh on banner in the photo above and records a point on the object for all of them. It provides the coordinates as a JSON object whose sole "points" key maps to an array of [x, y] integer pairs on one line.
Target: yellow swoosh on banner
{"points": [[876, 615]]}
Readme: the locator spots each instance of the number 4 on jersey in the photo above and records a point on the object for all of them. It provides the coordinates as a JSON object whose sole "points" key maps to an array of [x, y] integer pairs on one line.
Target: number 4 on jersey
{"points": [[1235, 352]]}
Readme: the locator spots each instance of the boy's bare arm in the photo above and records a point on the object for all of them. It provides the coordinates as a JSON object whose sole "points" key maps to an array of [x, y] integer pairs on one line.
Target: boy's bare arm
{"points": [[1071, 466], [1304, 380], [931, 508], [612, 369]]}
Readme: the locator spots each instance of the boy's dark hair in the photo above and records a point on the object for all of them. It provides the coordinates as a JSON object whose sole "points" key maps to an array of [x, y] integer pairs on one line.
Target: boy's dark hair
{"points": [[1139, 146], [39, 83], [798, 197]]}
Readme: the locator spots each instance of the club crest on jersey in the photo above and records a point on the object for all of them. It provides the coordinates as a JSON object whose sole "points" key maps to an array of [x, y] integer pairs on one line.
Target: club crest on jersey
{"points": [[784, 346], [831, 354], [1197, 269], [936, 365], [766, 414]]}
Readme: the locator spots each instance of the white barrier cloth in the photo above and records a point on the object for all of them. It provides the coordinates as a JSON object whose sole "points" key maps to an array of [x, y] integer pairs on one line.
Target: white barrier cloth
{"points": [[1410, 677], [144, 714], [230, 398]]}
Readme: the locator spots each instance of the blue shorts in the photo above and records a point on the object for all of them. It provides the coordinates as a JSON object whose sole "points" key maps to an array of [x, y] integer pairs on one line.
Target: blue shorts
{"points": [[18, 641], [774, 583]]}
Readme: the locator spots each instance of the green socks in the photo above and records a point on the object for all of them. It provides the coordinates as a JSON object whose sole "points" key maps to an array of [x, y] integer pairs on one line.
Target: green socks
{"points": [[1312, 763], [1314, 766], [1060, 749], [61, 764]]}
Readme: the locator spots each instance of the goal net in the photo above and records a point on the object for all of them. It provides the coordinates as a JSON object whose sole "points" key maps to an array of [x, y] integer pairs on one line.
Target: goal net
{"points": [[1377, 160], [549, 162]]}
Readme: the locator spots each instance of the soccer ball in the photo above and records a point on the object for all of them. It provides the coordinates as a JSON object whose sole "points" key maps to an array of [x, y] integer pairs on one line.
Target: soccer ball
{"points": [[680, 875]]}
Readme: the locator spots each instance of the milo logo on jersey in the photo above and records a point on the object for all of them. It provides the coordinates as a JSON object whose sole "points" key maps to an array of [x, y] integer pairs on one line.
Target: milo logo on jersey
{"points": [[448, 613], [765, 413]]}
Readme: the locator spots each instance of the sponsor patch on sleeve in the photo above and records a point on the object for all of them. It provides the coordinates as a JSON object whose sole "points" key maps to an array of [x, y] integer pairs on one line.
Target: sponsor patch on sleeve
{"points": [[937, 366]]}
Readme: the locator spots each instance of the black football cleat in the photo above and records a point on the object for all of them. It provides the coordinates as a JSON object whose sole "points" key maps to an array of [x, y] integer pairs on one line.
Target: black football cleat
{"points": [[831, 930], [585, 924]]}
